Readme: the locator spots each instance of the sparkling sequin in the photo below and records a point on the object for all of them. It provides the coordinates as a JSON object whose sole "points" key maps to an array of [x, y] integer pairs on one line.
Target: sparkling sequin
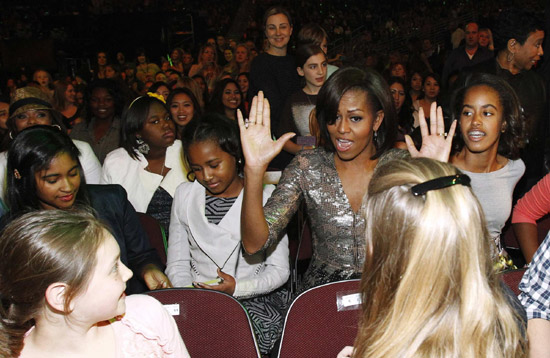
{"points": [[337, 231]]}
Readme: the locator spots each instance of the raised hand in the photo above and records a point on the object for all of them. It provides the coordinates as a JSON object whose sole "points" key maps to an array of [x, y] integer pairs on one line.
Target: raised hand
{"points": [[258, 146], [436, 143]]}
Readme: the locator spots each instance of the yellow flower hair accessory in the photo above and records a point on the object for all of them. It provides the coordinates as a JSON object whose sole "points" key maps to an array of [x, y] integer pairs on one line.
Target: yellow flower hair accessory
{"points": [[157, 96]]}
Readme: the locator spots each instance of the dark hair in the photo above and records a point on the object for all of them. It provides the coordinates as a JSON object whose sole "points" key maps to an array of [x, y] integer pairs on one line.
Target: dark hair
{"points": [[38, 249], [197, 111], [425, 76], [513, 137], [112, 88], [219, 129], [274, 10], [404, 116], [305, 51], [30, 152], [515, 24], [154, 88], [312, 33], [132, 122], [378, 98], [216, 102]]}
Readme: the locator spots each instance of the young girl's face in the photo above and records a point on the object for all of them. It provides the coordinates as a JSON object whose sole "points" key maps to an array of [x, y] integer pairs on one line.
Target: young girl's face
{"points": [[231, 97], [416, 82], [314, 70], [242, 80], [215, 169], [42, 78], [104, 297], [158, 129], [70, 94], [57, 186], [431, 88], [182, 109]]}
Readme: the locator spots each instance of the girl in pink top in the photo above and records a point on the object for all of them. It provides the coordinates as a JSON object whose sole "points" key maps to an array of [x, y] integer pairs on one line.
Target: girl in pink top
{"points": [[62, 294]]}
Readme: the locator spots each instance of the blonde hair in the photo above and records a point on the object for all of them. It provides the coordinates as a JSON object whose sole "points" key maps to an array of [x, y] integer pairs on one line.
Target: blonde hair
{"points": [[428, 286]]}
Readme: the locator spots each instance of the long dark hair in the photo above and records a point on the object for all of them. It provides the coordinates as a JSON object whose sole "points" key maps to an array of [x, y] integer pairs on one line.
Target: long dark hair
{"points": [[30, 152], [216, 102], [378, 98]]}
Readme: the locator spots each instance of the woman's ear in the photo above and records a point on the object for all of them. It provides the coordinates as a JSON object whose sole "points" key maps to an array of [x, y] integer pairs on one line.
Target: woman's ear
{"points": [[55, 295], [300, 71], [378, 120]]}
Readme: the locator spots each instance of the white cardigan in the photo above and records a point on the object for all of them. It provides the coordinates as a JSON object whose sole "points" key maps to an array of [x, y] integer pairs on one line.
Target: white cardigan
{"points": [[89, 162], [140, 184], [193, 239]]}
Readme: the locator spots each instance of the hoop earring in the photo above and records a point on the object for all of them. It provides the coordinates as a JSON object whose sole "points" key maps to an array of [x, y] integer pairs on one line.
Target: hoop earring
{"points": [[142, 147]]}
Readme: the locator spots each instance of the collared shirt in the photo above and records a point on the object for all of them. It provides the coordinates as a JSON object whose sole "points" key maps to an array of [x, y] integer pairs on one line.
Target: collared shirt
{"points": [[535, 285], [110, 141]]}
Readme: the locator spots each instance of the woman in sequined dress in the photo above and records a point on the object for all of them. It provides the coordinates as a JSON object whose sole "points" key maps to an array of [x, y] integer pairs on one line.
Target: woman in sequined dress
{"points": [[358, 124]]}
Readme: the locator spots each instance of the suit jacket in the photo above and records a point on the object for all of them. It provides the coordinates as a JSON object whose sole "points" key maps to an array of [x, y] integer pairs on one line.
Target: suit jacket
{"points": [[111, 205]]}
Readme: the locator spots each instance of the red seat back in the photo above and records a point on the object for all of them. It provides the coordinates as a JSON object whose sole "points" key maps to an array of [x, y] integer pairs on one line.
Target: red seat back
{"points": [[512, 278], [316, 325], [154, 233], [212, 324]]}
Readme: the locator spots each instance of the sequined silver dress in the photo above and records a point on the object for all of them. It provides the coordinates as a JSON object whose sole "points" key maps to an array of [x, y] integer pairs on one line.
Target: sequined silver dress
{"points": [[337, 231]]}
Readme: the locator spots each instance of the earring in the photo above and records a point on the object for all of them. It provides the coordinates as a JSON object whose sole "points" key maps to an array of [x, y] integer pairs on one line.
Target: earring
{"points": [[142, 147], [375, 135], [16, 174]]}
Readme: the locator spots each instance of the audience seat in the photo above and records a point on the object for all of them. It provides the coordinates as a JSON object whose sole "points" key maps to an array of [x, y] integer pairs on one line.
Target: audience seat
{"points": [[512, 278], [212, 324], [155, 234], [319, 323]]}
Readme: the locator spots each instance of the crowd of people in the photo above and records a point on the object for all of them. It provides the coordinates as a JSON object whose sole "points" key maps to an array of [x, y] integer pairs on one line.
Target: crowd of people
{"points": [[407, 171]]}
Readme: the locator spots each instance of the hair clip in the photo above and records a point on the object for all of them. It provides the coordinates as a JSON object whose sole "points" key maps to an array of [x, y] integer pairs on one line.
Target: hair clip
{"points": [[157, 96], [440, 183], [16, 174]]}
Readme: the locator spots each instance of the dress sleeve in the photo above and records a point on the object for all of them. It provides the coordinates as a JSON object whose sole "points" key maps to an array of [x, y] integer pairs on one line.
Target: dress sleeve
{"points": [[90, 163], [534, 204], [276, 272], [178, 264], [152, 329], [285, 200]]}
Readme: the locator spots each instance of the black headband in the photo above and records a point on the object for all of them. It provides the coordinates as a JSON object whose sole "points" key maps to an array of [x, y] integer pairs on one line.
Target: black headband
{"points": [[440, 183], [25, 101]]}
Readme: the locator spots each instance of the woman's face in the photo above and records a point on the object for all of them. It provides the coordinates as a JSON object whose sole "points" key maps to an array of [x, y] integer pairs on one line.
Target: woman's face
{"points": [[228, 55], [57, 186], [481, 120], [182, 109], [158, 129], [201, 83], [530, 52], [215, 169], [104, 297], [352, 132], [278, 31], [102, 58], [4, 114], [102, 104], [70, 94], [208, 55], [175, 55], [32, 117], [231, 97], [42, 78], [110, 72], [242, 80], [483, 38], [160, 77], [398, 95], [416, 82], [431, 88], [398, 71], [141, 58], [314, 70], [163, 91], [241, 54]]}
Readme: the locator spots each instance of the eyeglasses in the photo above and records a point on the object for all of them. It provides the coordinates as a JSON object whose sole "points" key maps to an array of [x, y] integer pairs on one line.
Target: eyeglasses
{"points": [[440, 183]]}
